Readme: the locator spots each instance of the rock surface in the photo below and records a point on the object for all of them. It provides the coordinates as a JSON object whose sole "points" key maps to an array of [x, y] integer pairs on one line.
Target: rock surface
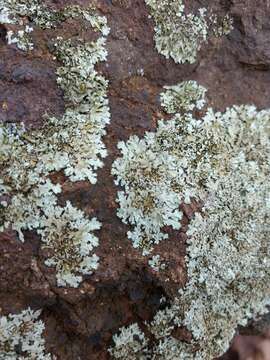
{"points": [[235, 70]]}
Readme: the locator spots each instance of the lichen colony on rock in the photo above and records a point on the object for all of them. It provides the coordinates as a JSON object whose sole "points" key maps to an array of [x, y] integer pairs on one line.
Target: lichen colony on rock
{"points": [[21, 337], [179, 35], [72, 144], [221, 160]]}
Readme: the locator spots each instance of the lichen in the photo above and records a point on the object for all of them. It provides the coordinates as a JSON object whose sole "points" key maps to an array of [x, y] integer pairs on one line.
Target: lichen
{"points": [[72, 144], [179, 35], [130, 343], [183, 97], [21, 336], [148, 201], [221, 160], [25, 12], [21, 38], [155, 263], [154, 170], [68, 235]]}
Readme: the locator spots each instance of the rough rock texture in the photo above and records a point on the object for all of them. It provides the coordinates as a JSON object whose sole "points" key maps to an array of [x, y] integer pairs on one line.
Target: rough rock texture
{"points": [[235, 69]]}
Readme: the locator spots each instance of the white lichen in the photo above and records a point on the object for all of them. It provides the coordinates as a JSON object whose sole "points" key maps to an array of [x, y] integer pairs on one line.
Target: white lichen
{"points": [[21, 336], [22, 13], [155, 263], [183, 97], [21, 38], [72, 144], [179, 35], [153, 171], [130, 344], [223, 161]]}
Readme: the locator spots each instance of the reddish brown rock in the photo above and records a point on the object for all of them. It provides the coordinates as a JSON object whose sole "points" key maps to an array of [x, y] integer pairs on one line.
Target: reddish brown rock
{"points": [[236, 70]]}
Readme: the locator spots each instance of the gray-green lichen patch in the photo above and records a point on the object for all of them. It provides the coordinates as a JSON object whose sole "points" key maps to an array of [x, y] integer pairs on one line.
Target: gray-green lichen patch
{"points": [[21, 38], [21, 337], [130, 342], [66, 234], [179, 35], [154, 171], [155, 263], [222, 160], [25, 13], [72, 144], [183, 97]]}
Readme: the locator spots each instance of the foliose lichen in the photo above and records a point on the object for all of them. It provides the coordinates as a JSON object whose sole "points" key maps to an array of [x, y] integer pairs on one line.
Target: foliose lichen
{"points": [[221, 160], [72, 144], [155, 171], [155, 263], [183, 97], [179, 35], [26, 13], [21, 38], [130, 342], [21, 337]]}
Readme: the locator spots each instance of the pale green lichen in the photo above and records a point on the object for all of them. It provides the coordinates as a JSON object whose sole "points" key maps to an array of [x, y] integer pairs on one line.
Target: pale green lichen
{"points": [[179, 35], [130, 342], [177, 163], [155, 263], [183, 97], [24, 12], [66, 234], [153, 170], [228, 255], [221, 26], [21, 337], [21, 38], [222, 160], [72, 144], [148, 201]]}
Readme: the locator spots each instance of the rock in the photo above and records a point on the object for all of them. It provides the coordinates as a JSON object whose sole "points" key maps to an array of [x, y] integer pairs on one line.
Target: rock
{"points": [[124, 289]]}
